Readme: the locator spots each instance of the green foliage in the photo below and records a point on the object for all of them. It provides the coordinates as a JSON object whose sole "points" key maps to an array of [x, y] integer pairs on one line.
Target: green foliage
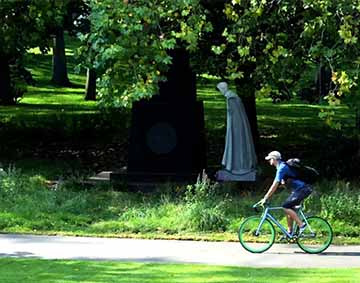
{"points": [[338, 202], [206, 210], [276, 47], [29, 204], [202, 190], [130, 51], [342, 204], [23, 25], [204, 217], [282, 45]]}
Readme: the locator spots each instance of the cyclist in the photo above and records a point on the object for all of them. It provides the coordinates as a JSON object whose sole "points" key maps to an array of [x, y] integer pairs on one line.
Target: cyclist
{"points": [[300, 190]]}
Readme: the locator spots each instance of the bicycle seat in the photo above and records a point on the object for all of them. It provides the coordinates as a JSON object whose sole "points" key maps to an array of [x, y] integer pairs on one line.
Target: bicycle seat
{"points": [[297, 207]]}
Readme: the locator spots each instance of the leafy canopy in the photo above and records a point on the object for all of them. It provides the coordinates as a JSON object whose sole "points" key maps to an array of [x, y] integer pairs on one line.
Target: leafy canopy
{"points": [[129, 40], [287, 42], [278, 45], [23, 24]]}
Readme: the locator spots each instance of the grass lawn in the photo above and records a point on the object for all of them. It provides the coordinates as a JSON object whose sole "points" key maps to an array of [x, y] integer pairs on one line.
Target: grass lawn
{"points": [[60, 271], [45, 98]]}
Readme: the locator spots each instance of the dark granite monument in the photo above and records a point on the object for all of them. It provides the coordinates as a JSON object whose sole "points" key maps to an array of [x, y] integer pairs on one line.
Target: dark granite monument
{"points": [[167, 141]]}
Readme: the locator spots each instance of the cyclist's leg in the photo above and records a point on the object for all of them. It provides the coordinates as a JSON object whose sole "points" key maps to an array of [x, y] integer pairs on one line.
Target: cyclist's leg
{"points": [[290, 223], [294, 199], [292, 214]]}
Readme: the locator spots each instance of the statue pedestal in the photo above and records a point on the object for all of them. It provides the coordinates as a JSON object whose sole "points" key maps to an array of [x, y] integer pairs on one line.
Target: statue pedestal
{"points": [[249, 175]]}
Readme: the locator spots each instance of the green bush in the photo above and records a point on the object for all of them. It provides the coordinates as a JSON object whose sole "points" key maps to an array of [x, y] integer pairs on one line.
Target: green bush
{"points": [[343, 202], [206, 216], [10, 220], [28, 204], [205, 209]]}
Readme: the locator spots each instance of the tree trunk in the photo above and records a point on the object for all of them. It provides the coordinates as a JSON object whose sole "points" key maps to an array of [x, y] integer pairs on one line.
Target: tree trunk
{"points": [[357, 133], [59, 75], [246, 91], [6, 95], [90, 88]]}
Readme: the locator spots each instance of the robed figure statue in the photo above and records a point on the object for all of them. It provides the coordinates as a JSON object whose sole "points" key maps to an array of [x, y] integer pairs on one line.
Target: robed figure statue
{"points": [[239, 159]]}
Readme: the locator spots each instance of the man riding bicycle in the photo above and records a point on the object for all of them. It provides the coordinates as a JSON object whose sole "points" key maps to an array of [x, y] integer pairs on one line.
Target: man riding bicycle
{"points": [[300, 190]]}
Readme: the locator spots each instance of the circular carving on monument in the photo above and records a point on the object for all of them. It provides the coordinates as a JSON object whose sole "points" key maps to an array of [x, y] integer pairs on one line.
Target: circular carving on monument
{"points": [[161, 138]]}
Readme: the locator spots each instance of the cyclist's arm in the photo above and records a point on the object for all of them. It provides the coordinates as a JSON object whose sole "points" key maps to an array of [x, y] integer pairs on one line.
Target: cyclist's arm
{"points": [[278, 180], [272, 189]]}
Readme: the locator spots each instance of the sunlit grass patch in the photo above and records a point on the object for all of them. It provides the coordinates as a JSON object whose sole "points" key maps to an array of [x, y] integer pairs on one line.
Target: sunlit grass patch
{"points": [[70, 271]]}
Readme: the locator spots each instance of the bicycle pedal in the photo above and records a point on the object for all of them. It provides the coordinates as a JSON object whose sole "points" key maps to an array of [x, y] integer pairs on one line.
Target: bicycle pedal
{"points": [[284, 239]]}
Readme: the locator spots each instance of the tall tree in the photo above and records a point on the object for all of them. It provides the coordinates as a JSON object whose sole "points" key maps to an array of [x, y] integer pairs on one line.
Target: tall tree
{"points": [[265, 46], [59, 67], [80, 10], [131, 51], [73, 18], [290, 42], [22, 26], [90, 87]]}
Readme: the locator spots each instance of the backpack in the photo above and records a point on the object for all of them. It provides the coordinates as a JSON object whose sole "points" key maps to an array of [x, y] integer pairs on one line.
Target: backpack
{"points": [[307, 174]]}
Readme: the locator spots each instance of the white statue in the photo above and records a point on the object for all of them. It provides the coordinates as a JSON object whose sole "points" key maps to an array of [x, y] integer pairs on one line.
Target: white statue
{"points": [[239, 159]]}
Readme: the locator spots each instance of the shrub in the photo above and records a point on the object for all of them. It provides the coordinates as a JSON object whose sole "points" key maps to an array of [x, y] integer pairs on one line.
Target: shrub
{"points": [[343, 203], [206, 217], [205, 210]]}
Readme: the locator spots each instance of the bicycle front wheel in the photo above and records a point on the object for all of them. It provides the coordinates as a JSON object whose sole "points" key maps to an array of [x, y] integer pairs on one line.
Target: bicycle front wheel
{"points": [[256, 239], [317, 236]]}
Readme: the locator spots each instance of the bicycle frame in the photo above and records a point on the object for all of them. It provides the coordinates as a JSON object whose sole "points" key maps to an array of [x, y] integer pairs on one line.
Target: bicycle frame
{"points": [[267, 215]]}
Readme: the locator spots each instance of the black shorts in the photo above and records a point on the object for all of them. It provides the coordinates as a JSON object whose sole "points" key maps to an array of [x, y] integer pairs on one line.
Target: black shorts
{"points": [[296, 197]]}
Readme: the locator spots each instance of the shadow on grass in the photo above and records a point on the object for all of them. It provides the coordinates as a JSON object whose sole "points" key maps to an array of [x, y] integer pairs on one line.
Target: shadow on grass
{"points": [[45, 83], [64, 107], [40, 110], [40, 66]]}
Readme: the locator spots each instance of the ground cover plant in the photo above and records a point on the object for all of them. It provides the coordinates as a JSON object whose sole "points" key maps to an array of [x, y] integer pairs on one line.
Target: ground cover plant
{"points": [[204, 210], [35, 270]]}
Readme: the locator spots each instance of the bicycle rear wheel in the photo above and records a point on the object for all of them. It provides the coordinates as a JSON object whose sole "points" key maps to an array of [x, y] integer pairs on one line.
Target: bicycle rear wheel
{"points": [[317, 236], [253, 239]]}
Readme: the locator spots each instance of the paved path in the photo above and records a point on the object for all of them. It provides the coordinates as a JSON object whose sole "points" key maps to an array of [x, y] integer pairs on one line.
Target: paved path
{"points": [[166, 251]]}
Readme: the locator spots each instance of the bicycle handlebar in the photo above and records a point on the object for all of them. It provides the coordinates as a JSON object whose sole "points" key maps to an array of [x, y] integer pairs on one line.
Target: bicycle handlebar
{"points": [[256, 206]]}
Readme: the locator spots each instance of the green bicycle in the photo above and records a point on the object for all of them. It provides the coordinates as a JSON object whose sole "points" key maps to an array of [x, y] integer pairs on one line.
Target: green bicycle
{"points": [[257, 233]]}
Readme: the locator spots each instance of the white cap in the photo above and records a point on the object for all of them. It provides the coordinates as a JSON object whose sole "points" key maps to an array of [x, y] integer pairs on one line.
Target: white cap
{"points": [[273, 155]]}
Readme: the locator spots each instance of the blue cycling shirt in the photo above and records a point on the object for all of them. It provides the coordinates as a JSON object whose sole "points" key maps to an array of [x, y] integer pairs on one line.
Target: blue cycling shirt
{"points": [[283, 171]]}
